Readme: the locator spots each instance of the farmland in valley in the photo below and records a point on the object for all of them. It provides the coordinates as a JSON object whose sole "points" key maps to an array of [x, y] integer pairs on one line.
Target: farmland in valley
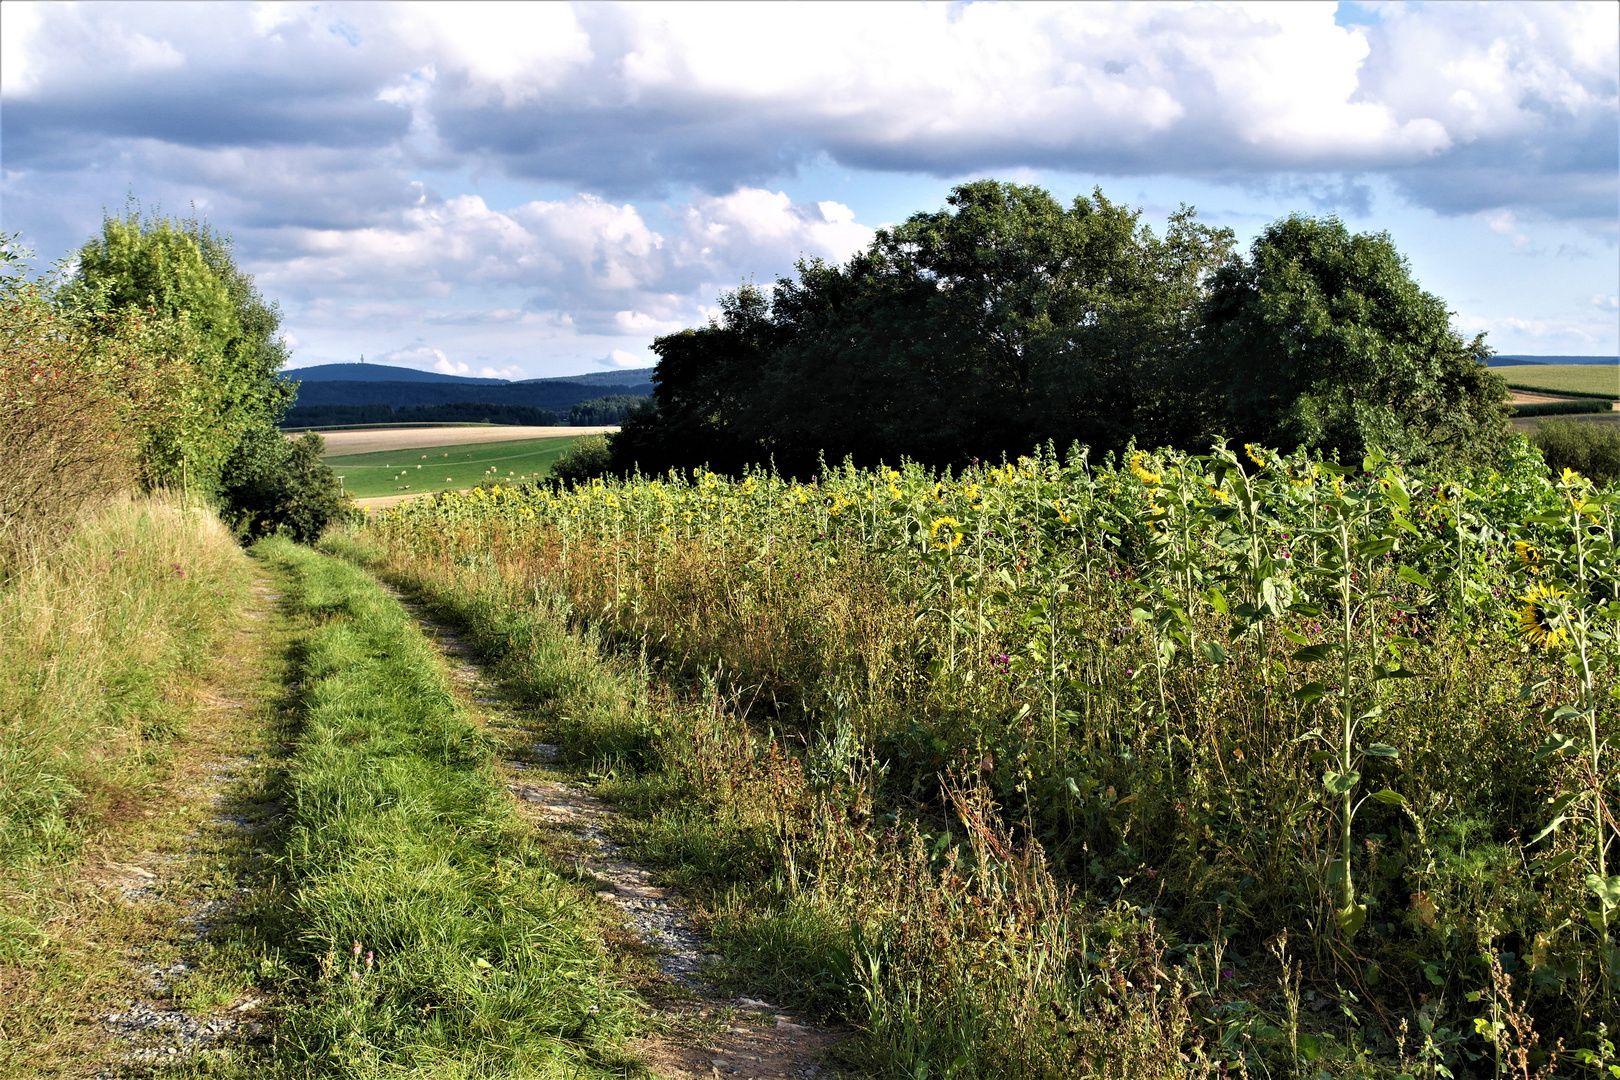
{"points": [[1564, 378], [417, 469]]}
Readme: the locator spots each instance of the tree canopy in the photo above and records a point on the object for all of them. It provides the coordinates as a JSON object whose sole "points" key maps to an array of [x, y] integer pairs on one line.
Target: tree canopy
{"points": [[1322, 339], [216, 337], [1007, 319]]}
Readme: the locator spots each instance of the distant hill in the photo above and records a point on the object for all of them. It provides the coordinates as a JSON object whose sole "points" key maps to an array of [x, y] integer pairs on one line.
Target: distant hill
{"points": [[625, 377], [1510, 361], [558, 395], [380, 373]]}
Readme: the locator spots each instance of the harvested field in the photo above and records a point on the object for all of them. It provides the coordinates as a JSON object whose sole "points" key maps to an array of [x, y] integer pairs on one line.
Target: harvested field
{"points": [[371, 440]]}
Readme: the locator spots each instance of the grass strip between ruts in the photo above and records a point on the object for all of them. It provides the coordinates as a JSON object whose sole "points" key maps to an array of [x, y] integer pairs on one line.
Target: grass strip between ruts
{"points": [[435, 937]]}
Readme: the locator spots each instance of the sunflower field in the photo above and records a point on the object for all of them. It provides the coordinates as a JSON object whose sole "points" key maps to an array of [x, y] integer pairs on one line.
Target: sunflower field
{"points": [[1238, 758]]}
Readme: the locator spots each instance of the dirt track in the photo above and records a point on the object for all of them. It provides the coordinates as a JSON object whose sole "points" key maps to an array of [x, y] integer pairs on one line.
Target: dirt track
{"points": [[366, 441]]}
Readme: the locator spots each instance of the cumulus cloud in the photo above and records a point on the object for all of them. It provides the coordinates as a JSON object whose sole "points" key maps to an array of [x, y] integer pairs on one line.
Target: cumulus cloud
{"points": [[597, 261], [315, 131], [627, 99], [618, 358]]}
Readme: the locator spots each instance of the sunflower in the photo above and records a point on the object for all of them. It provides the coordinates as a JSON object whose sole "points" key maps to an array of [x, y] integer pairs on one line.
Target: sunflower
{"points": [[1526, 553], [952, 530], [1542, 619], [1254, 454]]}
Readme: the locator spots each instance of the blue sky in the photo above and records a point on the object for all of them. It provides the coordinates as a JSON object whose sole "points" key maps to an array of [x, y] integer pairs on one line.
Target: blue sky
{"points": [[531, 190]]}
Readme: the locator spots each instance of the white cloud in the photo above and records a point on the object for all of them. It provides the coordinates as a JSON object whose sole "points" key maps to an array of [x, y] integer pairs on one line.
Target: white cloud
{"points": [[618, 358], [1505, 223], [341, 141], [595, 260], [1606, 303]]}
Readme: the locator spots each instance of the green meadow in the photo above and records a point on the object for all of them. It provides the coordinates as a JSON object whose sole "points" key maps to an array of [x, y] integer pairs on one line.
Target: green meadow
{"points": [[447, 468]]}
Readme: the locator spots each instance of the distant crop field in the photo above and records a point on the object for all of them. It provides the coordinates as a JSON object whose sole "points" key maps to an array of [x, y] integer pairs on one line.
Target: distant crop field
{"points": [[415, 470], [1565, 378]]}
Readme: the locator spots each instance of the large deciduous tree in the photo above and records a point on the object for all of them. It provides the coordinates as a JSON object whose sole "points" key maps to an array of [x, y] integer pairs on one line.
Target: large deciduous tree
{"points": [[1321, 338], [217, 338]]}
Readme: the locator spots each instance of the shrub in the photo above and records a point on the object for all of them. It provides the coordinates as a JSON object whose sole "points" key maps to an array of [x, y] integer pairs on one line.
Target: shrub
{"points": [[1561, 408], [1591, 449], [68, 405], [589, 456], [279, 486]]}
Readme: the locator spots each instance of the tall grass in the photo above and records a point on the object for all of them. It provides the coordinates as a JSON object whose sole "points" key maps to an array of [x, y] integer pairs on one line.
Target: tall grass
{"points": [[961, 756], [955, 960], [432, 936], [97, 642]]}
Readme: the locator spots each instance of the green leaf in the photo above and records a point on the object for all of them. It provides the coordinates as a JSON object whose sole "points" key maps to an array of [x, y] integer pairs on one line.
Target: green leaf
{"points": [[1607, 890], [1217, 600], [1212, 651], [1380, 673], [1337, 783], [1379, 749], [1312, 653], [1556, 862], [1407, 573], [1310, 692], [1558, 805], [1553, 744], [1297, 639], [1351, 919], [1388, 797], [1375, 547]]}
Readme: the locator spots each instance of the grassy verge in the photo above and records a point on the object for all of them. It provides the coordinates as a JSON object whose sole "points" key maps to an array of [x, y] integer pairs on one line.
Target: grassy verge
{"points": [[429, 933], [99, 645]]}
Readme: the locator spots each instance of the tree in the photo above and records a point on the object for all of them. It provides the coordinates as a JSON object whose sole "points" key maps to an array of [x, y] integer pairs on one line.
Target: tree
{"points": [[703, 384], [216, 336], [1322, 339], [1001, 321]]}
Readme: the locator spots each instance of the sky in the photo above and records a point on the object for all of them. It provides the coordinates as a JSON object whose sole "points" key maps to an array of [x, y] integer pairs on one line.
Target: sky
{"points": [[529, 190]]}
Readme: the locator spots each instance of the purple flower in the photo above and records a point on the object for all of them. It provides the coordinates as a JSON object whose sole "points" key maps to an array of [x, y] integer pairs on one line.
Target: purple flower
{"points": [[1228, 973]]}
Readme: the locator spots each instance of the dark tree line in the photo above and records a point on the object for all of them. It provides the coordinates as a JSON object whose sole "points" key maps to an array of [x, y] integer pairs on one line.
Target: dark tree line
{"points": [[1007, 319]]}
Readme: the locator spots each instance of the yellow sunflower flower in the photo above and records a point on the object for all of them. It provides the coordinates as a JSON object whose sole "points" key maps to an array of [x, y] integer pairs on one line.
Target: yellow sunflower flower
{"points": [[952, 530], [1541, 621]]}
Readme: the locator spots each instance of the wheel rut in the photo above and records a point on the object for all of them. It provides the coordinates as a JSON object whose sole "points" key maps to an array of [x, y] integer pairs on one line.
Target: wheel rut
{"points": [[717, 1035], [194, 882]]}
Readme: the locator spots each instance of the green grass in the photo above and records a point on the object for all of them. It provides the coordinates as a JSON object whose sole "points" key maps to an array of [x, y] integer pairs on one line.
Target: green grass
{"points": [[1602, 379], [447, 468], [98, 643], [474, 957]]}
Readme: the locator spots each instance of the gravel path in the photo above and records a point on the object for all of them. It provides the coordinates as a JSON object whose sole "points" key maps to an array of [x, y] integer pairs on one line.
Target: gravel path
{"points": [[151, 1021], [745, 1038]]}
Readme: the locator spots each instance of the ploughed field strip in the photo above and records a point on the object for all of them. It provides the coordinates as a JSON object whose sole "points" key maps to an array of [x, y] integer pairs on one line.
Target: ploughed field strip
{"points": [[756, 1039]]}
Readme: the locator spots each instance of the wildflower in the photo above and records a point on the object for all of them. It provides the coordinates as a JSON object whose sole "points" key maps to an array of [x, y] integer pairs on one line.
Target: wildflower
{"points": [[1526, 553], [1254, 454], [952, 530], [1544, 615]]}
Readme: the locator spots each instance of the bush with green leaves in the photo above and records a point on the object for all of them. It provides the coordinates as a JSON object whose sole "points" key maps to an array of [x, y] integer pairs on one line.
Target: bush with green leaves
{"points": [[274, 485], [589, 456], [1589, 447]]}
